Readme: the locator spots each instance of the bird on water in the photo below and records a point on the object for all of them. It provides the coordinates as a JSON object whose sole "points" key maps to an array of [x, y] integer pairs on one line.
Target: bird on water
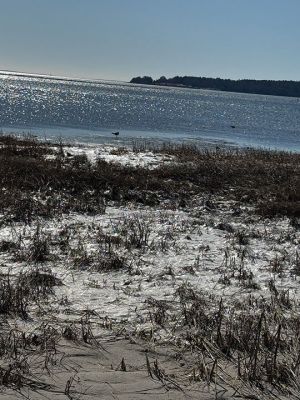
{"points": [[115, 133]]}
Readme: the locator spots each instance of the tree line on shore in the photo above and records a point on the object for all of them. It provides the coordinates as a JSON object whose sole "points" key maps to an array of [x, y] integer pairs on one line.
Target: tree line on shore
{"points": [[267, 87]]}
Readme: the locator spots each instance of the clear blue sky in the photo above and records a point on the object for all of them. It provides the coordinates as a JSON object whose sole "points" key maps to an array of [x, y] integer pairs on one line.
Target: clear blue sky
{"points": [[119, 39]]}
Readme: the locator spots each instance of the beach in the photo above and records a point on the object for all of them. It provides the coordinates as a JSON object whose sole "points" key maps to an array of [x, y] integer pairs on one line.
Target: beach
{"points": [[148, 270]]}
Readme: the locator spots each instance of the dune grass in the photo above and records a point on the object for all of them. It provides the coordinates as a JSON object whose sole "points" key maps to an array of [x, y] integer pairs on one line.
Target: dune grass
{"points": [[254, 342], [38, 180]]}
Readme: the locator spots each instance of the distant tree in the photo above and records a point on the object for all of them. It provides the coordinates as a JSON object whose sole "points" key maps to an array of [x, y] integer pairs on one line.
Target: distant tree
{"points": [[162, 80], [277, 88], [147, 80]]}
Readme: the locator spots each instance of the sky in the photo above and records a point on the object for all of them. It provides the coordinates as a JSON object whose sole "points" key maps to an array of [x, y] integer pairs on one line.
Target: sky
{"points": [[120, 39]]}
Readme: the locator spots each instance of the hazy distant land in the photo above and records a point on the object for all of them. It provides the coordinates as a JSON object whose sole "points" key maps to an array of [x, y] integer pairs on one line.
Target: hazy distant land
{"points": [[268, 87]]}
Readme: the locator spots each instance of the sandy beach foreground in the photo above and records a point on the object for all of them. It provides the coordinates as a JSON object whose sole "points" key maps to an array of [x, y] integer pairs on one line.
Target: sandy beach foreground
{"points": [[140, 272]]}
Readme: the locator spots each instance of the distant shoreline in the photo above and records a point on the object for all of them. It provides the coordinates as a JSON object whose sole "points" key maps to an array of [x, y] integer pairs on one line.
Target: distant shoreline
{"points": [[250, 86], [59, 78], [263, 87]]}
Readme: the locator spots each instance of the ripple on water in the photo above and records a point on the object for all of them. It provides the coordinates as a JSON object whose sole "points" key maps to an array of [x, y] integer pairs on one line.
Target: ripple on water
{"points": [[269, 121]]}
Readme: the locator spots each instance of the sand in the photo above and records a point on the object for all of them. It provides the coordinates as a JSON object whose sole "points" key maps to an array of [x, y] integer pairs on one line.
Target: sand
{"points": [[128, 356]]}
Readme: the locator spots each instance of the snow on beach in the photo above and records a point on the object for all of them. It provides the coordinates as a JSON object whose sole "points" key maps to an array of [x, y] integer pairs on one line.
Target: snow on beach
{"points": [[119, 154], [131, 267], [180, 249], [199, 246]]}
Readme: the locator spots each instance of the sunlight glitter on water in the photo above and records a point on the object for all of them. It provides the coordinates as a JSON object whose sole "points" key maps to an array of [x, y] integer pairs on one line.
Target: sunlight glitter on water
{"points": [[86, 111]]}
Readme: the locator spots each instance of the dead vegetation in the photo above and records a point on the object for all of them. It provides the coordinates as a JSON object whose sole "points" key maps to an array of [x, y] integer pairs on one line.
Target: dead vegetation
{"points": [[35, 184], [18, 292], [251, 343]]}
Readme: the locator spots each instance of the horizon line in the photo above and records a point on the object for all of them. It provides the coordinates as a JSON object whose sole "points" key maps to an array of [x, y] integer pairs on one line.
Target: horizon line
{"points": [[95, 80], [57, 77]]}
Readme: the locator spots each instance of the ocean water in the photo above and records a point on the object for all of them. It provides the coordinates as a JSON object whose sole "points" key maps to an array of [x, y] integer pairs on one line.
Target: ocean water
{"points": [[88, 111]]}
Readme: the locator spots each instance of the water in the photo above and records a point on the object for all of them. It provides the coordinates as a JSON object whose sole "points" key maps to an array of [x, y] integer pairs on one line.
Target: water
{"points": [[89, 111]]}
